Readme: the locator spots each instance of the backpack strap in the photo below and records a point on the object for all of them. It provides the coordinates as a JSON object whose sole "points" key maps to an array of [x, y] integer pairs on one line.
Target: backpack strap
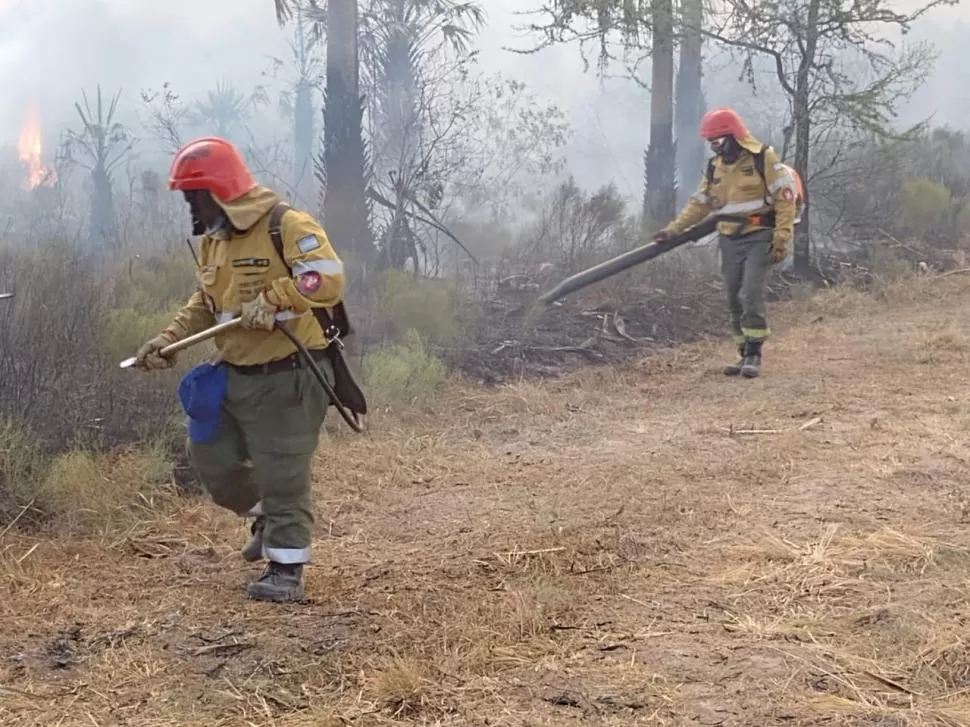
{"points": [[759, 165], [759, 161], [275, 232], [345, 388], [332, 331]]}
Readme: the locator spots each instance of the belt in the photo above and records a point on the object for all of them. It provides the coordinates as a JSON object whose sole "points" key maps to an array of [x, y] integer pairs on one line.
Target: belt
{"points": [[762, 219], [291, 362], [765, 219]]}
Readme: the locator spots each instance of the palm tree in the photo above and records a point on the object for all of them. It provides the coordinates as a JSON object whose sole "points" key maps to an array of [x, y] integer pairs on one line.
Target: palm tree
{"points": [[401, 41], [343, 171], [225, 109], [283, 11], [99, 146]]}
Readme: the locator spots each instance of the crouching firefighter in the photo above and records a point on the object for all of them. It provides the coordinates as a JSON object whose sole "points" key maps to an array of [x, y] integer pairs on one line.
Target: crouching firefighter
{"points": [[270, 266], [743, 177]]}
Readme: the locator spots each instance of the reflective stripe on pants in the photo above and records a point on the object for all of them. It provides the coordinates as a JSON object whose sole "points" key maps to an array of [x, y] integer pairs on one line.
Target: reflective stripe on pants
{"points": [[259, 461], [745, 262]]}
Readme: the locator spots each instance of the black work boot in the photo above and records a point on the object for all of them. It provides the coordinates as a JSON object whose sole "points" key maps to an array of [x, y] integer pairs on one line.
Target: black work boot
{"points": [[751, 367], [254, 548], [735, 369], [279, 583]]}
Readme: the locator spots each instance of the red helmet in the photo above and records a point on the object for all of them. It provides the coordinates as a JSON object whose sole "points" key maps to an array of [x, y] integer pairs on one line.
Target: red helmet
{"points": [[212, 164], [722, 122]]}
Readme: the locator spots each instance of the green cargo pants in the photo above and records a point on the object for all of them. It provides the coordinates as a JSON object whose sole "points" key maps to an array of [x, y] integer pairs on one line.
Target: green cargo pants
{"points": [[259, 461], [745, 262]]}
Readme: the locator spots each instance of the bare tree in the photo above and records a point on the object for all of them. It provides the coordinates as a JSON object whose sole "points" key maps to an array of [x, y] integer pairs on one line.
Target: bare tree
{"points": [[577, 227], [165, 115]]}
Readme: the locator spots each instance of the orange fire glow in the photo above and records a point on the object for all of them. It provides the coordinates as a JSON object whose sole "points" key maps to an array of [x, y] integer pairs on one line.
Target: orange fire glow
{"points": [[30, 149]]}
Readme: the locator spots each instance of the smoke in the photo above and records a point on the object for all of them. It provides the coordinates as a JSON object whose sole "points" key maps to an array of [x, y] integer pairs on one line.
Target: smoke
{"points": [[50, 51]]}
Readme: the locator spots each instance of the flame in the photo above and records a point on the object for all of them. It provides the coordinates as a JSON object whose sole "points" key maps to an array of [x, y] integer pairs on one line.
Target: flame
{"points": [[30, 149]]}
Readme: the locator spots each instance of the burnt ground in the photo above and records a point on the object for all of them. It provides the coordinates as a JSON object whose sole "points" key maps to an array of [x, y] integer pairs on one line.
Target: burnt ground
{"points": [[640, 544], [514, 337]]}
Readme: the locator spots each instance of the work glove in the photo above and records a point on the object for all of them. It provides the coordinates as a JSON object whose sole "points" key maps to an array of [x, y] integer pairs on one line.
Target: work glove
{"points": [[661, 237], [148, 358], [259, 313], [779, 249]]}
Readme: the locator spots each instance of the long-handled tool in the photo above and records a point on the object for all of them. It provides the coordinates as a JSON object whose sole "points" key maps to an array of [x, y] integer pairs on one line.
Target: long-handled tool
{"points": [[634, 257], [351, 417], [189, 341], [4, 296]]}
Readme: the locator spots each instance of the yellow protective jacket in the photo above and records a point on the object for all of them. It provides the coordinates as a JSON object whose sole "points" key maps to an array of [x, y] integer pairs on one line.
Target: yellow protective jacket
{"points": [[739, 189], [235, 270]]}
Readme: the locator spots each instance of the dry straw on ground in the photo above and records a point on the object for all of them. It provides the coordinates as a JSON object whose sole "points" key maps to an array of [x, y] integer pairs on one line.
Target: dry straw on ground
{"points": [[650, 545]]}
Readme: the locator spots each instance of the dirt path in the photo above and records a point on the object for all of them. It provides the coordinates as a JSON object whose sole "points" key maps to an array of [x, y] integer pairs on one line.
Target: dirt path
{"points": [[651, 546]]}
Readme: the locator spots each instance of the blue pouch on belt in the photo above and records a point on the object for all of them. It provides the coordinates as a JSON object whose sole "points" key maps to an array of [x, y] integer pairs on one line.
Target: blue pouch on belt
{"points": [[201, 392]]}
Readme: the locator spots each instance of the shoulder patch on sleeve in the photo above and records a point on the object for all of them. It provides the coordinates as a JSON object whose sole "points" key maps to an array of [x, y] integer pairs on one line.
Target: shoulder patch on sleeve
{"points": [[308, 244]]}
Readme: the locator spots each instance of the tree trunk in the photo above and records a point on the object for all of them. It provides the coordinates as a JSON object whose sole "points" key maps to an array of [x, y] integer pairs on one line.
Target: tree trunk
{"points": [[399, 92], [303, 143], [345, 207], [104, 226], [303, 131], [690, 105], [660, 195], [802, 247], [399, 133]]}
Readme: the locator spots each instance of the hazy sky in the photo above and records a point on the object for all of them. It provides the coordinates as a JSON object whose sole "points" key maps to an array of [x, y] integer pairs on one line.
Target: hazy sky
{"points": [[51, 49]]}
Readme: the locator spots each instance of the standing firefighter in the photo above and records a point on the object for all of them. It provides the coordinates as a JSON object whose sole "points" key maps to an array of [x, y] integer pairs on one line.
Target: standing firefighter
{"points": [[743, 177], [255, 460]]}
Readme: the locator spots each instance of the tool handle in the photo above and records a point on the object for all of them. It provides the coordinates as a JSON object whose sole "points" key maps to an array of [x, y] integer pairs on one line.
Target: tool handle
{"points": [[199, 337], [633, 257]]}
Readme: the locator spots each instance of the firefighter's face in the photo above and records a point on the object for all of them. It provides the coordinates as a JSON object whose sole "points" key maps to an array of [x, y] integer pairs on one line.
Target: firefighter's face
{"points": [[206, 214], [726, 147], [719, 145]]}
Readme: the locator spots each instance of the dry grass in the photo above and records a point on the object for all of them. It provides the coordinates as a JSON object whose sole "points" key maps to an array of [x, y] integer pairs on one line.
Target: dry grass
{"points": [[653, 545]]}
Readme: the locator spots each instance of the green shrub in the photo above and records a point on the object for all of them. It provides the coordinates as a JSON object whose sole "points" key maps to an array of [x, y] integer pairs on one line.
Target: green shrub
{"points": [[963, 218], [22, 466], [403, 373], [407, 303], [154, 283], [86, 491], [925, 208], [126, 329]]}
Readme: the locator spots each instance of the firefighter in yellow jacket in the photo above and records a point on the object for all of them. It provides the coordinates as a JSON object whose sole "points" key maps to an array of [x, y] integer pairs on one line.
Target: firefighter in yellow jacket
{"points": [[257, 463], [744, 177]]}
